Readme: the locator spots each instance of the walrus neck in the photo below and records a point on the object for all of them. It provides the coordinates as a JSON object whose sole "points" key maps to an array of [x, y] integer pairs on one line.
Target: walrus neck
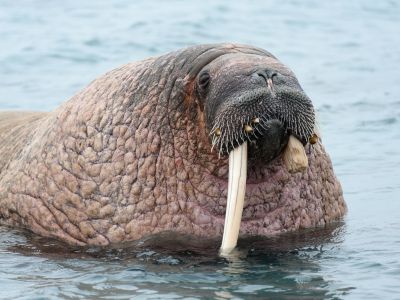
{"points": [[17, 128]]}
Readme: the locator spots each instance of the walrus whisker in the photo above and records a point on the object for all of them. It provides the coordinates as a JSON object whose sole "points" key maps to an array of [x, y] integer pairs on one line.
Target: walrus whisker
{"points": [[255, 135], [214, 142], [222, 141], [232, 144], [261, 124], [212, 131], [215, 126], [228, 129], [256, 128]]}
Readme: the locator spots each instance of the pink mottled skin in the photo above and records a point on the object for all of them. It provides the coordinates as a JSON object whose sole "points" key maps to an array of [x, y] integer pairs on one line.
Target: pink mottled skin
{"points": [[129, 156]]}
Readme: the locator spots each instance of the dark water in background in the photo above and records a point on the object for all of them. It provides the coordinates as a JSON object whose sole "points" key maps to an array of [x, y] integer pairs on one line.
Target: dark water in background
{"points": [[346, 55]]}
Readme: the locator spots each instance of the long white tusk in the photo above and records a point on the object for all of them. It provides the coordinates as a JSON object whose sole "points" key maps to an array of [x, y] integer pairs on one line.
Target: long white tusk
{"points": [[236, 192]]}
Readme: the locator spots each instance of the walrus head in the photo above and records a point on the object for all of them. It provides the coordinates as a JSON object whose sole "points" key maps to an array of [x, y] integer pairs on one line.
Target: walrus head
{"points": [[249, 99], [253, 98]]}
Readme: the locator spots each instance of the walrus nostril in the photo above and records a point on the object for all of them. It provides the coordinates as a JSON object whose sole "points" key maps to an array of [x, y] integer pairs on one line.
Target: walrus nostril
{"points": [[263, 75], [271, 74]]}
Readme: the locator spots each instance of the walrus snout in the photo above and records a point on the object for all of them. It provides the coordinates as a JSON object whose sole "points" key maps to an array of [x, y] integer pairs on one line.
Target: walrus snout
{"points": [[258, 102], [263, 122], [264, 117]]}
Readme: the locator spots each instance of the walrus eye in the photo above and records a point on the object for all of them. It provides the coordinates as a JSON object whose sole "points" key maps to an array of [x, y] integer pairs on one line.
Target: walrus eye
{"points": [[204, 79]]}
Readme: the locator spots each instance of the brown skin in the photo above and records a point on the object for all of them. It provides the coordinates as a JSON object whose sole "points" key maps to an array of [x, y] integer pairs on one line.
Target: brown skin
{"points": [[129, 156]]}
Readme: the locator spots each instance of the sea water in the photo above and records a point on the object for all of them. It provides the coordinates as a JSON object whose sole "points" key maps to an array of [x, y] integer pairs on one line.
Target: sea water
{"points": [[346, 55]]}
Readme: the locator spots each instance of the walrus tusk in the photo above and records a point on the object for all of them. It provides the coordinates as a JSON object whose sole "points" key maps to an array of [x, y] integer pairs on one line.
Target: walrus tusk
{"points": [[236, 192], [294, 156]]}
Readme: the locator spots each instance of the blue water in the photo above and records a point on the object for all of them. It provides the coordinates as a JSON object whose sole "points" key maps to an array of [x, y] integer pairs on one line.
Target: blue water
{"points": [[346, 55]]}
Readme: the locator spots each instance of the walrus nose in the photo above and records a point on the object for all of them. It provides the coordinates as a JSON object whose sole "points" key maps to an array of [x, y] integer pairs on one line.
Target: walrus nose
{"points": [[268, 76]]}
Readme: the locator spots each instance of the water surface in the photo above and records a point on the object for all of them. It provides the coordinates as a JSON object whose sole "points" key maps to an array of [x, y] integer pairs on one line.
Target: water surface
{"points": [[346, 55]]}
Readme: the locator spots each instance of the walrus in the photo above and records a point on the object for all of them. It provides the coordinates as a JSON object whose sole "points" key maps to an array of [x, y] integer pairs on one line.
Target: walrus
{"points": [[145, 149]]}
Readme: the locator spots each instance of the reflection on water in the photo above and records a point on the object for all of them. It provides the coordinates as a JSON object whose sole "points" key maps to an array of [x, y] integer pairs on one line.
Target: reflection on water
{"points": [[346, 55]]}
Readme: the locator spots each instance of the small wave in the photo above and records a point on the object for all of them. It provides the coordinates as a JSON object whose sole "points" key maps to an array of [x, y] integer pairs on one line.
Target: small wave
{"points": [[381, 122]]}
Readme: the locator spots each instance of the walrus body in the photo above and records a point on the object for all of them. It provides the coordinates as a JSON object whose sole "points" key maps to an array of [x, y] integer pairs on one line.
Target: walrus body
{"points": [[130, 155]]}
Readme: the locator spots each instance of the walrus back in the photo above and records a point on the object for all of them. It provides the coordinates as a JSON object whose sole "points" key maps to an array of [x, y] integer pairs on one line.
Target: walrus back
{"points": [[15, 131]]}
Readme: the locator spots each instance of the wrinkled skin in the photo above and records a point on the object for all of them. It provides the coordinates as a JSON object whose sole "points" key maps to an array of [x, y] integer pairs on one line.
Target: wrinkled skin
{"points": [[129, 155]]}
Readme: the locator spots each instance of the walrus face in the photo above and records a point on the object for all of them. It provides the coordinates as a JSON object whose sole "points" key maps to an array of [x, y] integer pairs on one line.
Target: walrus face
{"points": [[255, 99], [252, 105]]}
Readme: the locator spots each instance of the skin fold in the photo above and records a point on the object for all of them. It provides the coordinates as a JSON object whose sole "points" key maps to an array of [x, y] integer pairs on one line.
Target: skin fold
{"points": [[130, 155]]}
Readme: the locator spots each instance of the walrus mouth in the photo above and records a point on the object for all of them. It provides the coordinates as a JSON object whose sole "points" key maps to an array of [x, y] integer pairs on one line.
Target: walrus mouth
{"points": [[243, 137], [256, 116]]}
